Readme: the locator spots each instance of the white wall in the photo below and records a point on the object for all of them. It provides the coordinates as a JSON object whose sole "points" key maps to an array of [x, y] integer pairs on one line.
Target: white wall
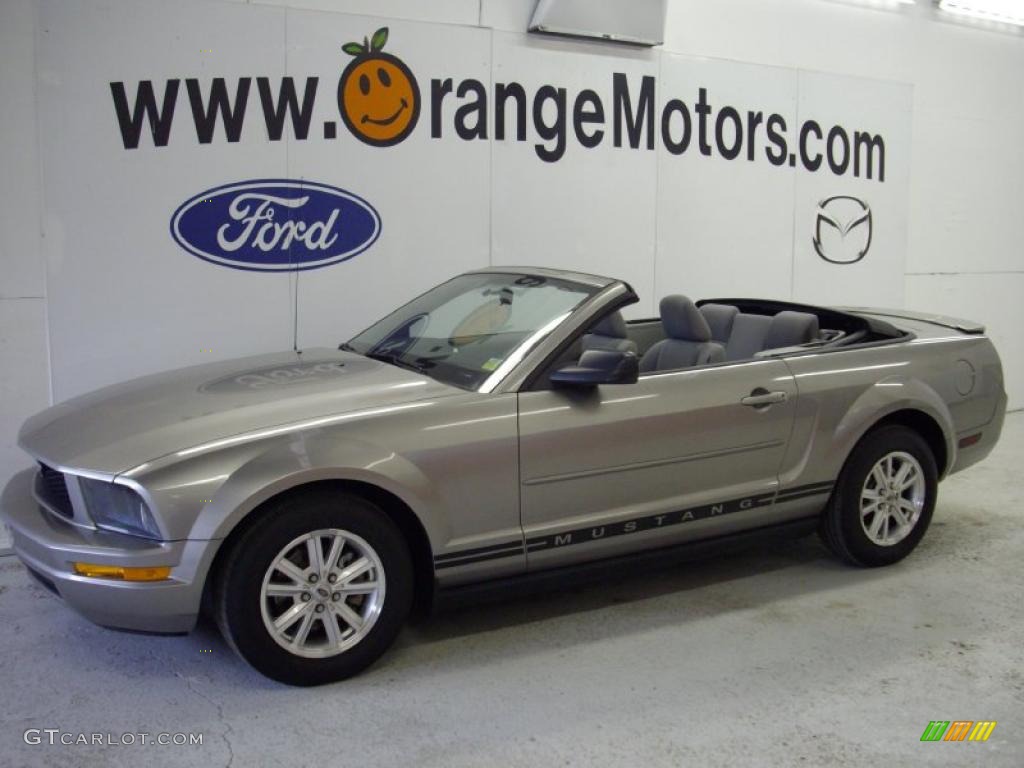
{"points": [[24, 348], [966, 175]]}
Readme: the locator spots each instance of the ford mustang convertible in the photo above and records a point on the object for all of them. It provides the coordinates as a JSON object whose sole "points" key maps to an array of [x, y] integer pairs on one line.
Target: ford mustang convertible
{"points": [[508, 428]]}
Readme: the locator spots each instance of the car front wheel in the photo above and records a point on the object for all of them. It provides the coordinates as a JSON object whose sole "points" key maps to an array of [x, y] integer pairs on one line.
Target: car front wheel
{"points": [[317, 589], [883, 502]]}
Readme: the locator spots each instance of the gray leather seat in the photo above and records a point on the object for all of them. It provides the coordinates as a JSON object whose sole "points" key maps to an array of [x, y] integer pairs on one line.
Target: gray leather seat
{"points": [[790, 329], [756, 333], [609, 333], [688, 341], [748, 335], [720, 318]]}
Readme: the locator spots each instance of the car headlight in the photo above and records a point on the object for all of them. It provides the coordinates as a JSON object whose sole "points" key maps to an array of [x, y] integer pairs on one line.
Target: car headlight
{"points": [[118, 508]]}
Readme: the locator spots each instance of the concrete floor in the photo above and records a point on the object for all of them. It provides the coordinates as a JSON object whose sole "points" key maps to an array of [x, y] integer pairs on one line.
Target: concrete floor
{"points": [[779, 656]]}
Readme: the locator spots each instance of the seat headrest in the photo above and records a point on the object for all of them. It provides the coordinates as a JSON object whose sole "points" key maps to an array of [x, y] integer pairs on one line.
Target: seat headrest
{"points": [[682, 320], [611, 325], [720, 318], [789, 329]]}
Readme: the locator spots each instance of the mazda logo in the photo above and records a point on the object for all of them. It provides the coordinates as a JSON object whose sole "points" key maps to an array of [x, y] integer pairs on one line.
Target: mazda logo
{"points": [[842, 229]]}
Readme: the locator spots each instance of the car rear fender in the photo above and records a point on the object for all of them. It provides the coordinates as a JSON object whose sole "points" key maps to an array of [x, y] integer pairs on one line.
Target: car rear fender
{"points": [[825, 440], [894, 395]]}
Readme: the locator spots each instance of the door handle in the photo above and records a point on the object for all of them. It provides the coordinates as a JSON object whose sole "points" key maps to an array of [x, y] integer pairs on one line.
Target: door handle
{"points": [[761, 397]]}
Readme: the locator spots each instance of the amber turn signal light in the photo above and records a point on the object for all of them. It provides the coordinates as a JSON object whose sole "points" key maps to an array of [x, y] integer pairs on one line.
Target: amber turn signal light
{"points": [[155, 573]]}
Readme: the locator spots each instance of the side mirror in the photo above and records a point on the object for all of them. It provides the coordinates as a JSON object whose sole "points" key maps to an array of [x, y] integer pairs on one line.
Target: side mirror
{"points": [[599, 366]]}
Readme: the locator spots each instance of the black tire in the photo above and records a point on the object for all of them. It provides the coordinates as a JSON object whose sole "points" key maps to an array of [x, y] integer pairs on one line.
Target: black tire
{"points": [[841, 527], [237, 592]]}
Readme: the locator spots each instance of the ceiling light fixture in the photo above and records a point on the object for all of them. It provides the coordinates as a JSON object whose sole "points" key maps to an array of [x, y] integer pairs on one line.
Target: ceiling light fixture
{"points": [[882, 3], [885, 5], [999, 11]]}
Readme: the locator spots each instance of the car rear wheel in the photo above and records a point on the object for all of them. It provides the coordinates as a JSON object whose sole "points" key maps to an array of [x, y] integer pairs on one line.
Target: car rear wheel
{"points": [[883, 502], [317, 589]]}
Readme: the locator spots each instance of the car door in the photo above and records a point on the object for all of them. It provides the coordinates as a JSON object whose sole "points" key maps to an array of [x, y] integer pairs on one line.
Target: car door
{"points": [[678, 455]]}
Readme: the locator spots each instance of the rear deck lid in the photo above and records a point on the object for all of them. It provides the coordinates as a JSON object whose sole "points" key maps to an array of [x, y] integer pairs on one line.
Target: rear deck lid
{"points": [[945, 321]]}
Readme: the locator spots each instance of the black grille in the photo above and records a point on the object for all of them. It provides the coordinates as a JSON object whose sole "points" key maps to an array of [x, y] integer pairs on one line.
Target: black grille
{"points": [[54, 491]]}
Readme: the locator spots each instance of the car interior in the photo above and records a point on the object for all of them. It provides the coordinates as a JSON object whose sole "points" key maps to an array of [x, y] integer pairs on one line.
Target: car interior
{"points": [[721, 331]]}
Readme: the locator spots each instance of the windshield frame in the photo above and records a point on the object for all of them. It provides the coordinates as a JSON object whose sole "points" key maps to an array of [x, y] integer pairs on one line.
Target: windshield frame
{"points": [[589, 288]]}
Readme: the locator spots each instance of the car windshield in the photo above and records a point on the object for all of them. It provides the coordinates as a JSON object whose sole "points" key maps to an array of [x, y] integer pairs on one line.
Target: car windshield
{"points": [[473, 329]]}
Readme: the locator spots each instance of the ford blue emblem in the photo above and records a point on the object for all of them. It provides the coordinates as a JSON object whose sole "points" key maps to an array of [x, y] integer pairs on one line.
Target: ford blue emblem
{"points": [[275, 225]]}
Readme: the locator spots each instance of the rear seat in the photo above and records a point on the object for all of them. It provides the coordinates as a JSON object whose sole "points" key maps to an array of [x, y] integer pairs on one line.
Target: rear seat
{"points": [[744, 335], [748, 336]]}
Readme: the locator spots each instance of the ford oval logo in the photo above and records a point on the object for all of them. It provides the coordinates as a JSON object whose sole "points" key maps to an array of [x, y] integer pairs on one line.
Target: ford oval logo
{"points": [[275, 225]]}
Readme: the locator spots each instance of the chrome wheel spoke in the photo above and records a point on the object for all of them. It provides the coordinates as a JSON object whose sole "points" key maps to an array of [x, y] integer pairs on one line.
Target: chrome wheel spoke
{"points": [[871, 509], [285, 590], [353, 571], [330, 623], [906, 468], [349, 616], [337, 544], [876, 523], [907, 506], [289, 617], [316, 554], [360, 588], [290, 569], [304, 627]]}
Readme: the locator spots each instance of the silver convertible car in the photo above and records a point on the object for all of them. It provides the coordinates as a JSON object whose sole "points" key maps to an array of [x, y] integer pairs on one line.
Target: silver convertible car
{"points": [[506, 429]]}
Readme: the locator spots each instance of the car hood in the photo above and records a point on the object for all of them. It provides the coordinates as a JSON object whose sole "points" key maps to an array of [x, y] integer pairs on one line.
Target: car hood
{"points": [[119, 427]]}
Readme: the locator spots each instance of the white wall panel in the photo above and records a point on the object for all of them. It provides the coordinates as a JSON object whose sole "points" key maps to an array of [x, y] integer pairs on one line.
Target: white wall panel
{"points": [[437, 11], [24, 378], [124, 299], [508, 15], [594, 208], [21, 269], [804, 34], [725, 227], [969, 187]]}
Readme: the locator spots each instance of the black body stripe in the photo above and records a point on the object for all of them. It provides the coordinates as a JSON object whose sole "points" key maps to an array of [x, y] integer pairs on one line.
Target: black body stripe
{"points": [[802, 489], [803, 493], [479, 550], [517, 550], [636, 525]]}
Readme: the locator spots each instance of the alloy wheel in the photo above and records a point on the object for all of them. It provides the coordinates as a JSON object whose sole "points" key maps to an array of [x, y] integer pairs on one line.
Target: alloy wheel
{"points": [[322, 593], [892, 498]]}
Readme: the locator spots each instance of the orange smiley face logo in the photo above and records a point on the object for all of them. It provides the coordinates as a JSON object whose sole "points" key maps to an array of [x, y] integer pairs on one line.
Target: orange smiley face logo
{"points": [[377, 94]]}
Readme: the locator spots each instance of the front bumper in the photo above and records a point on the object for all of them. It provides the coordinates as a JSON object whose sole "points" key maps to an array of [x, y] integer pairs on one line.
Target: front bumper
{"points": [[48, 546]]}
